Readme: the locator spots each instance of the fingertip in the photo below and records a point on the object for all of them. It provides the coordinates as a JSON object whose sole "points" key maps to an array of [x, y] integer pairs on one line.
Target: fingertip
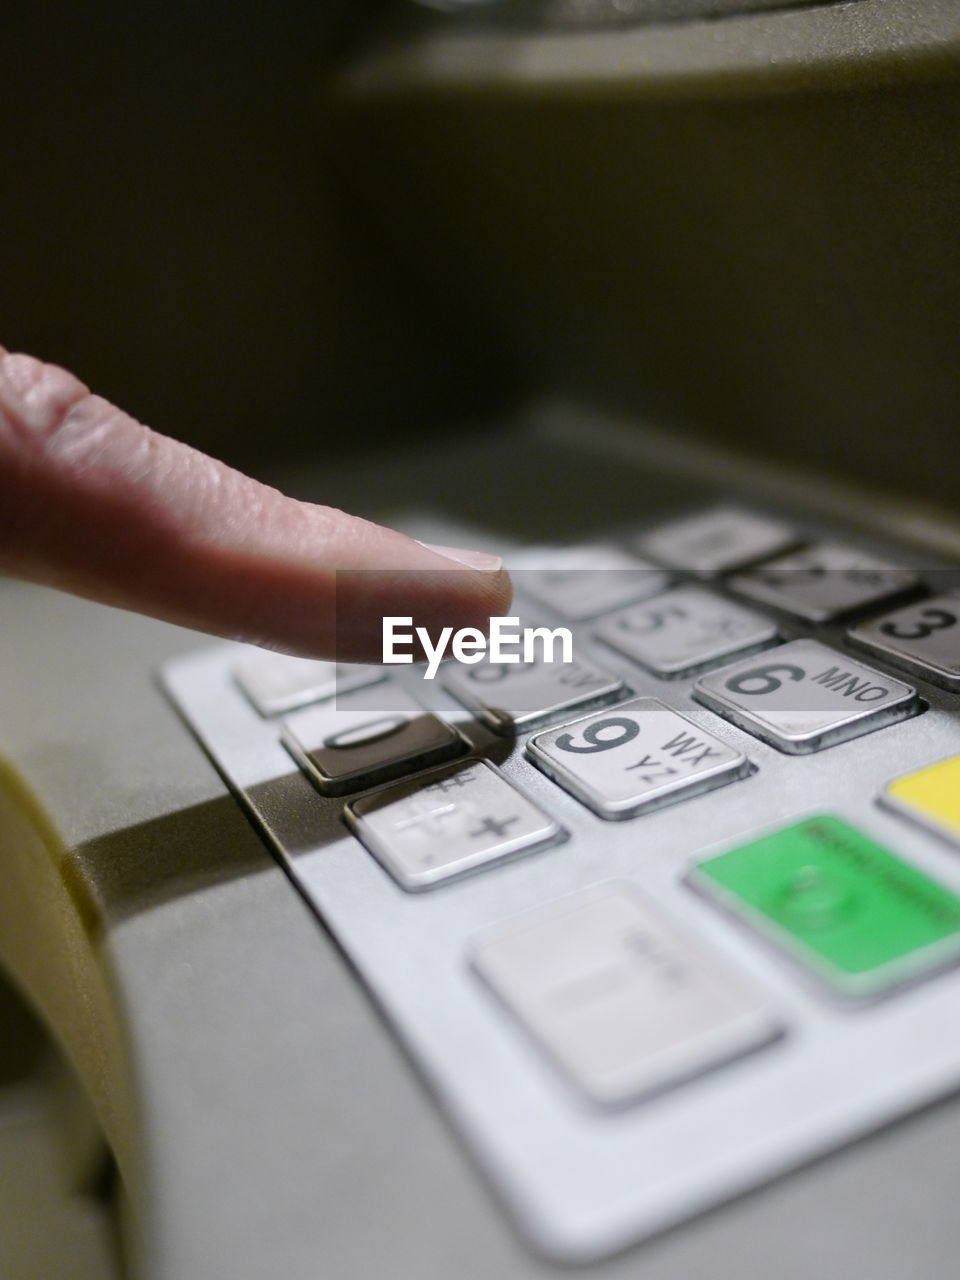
{"points": [[482, 560]]}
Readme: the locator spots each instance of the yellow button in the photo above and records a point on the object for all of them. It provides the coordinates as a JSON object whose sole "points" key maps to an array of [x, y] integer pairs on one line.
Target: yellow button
{"points": [[931, 796]]}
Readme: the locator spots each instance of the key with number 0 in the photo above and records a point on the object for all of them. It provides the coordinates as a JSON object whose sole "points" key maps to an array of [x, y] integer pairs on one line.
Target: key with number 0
{"points": [[367, 737]]}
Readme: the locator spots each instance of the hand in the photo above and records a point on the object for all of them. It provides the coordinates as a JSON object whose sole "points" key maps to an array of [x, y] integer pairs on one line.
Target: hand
{"points": [[95, 503]]}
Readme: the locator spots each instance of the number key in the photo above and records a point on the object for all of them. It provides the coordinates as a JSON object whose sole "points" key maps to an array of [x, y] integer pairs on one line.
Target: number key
{"points": [[513, 697], [922, 638], [713, 542], [804, 696], [634, 758], [823, 582], [684, 630], [582, 582], [366, 738]]}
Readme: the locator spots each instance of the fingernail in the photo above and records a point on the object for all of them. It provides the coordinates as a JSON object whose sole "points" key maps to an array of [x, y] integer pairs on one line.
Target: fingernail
{"points": [[472, 559]]}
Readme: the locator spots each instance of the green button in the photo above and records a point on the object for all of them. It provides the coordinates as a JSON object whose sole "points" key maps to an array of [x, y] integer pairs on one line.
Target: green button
{"points": [[846, 907]]}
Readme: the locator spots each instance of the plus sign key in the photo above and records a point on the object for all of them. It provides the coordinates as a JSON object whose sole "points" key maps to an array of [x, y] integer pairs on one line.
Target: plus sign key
{"points": [[442, 824]]}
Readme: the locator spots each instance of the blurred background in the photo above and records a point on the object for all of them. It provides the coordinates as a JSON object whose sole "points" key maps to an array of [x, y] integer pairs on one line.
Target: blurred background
{"points": [[169, 231], [294, 229]]}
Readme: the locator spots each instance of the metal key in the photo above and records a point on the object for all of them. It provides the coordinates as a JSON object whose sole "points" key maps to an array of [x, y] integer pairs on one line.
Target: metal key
{"points": [[277, 682], [511, 698], [582, 582], [623, 1000], [823, 582], [716, 541], [684, 630], [922, 638], [454, 820], [804, 696], [635, 757], [368, 737]]}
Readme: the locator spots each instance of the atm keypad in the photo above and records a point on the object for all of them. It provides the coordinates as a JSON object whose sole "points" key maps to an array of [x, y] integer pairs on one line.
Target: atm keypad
{"points": [[713, 848]]}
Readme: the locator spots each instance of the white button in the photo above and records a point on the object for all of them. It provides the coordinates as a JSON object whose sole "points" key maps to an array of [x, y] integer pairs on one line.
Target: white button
{"points": [[582, 582], [277, 682], [367, 737], [924, 638], [684, 630], [635, 757], [452, 821], [823, 582], [511, 698], [623, 1000], [804, 696], [716, 541]]}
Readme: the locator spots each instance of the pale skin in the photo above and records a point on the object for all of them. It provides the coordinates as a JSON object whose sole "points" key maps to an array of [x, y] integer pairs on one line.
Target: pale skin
{"points": [[95, 503]]}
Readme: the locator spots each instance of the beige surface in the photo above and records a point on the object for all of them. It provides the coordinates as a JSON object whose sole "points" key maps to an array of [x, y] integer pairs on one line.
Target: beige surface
{"points": [[56, 1216]]}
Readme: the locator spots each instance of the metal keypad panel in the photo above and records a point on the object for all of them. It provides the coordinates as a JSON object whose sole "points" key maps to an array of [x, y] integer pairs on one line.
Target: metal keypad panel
{"points": [[632, 1020], [449, 822]]}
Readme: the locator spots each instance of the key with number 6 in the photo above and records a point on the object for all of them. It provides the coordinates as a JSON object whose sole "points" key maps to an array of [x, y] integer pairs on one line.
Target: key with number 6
{"points": [[804, 696]]}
